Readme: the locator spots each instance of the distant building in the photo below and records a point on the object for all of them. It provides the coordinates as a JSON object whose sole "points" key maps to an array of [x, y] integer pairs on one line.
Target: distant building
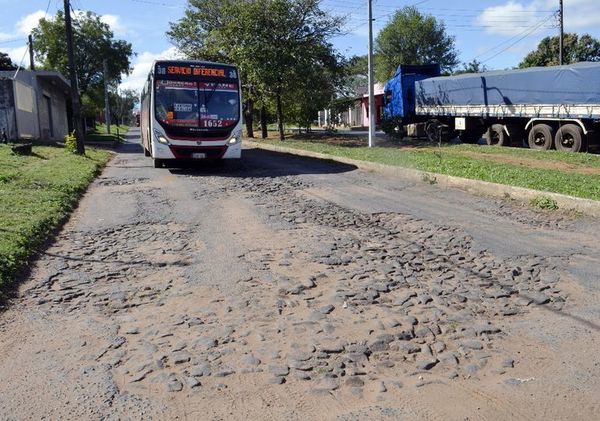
{"points": [[34, 105], [357, 115]]}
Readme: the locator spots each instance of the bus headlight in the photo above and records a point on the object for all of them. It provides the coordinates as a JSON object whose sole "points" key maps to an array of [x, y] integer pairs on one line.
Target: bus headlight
{"points": [[160, 138], [235, 139]]}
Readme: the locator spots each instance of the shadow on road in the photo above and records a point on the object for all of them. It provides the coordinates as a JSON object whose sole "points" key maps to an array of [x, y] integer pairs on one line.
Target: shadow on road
{"points": [[130, 148], [260, 163]]}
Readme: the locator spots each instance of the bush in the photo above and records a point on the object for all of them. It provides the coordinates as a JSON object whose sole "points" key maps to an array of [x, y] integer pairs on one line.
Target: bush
{"points": [[71, 142], [544, 202]]}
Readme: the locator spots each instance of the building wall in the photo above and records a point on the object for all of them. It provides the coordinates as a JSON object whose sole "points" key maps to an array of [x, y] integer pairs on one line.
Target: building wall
{"points": [[8, 122], [33, 106], [26, 111], [53, 119], [378, 110]]}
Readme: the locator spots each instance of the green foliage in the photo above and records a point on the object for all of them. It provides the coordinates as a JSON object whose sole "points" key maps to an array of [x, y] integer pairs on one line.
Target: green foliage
{"points": [[544, 202], [6, 63], [71, 142], [457, 160], [474, 66], [355, 76], [280, 47], [36, 194], [576, 48], [94, 42], [413, 38], [122, 104]]}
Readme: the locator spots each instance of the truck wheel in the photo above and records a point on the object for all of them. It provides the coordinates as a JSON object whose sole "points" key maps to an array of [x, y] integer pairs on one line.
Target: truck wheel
{"points": [[158, 163], [496, 136], [468, 136], [436, 131], [540, 137], [568, 138]]}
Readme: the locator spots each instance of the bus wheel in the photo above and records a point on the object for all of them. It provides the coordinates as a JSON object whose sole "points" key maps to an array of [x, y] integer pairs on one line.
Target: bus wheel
{"points": [[568, 138], [496, 135], [158, 163], [540, 137]]}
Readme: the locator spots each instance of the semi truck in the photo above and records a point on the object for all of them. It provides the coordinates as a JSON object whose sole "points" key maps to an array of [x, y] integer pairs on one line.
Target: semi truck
{"points": [[540, 107]]}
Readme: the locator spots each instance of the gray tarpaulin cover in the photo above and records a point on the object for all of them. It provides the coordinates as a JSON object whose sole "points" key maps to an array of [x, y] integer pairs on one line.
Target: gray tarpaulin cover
{"points": [[571, 84]]}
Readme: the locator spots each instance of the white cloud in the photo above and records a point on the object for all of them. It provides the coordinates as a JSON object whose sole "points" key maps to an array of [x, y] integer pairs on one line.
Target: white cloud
{"points": [[516, 17], [17, 54], [6, 36], [513, 18], [116, 25], [142, 65], [27, 23], [22, 28]]}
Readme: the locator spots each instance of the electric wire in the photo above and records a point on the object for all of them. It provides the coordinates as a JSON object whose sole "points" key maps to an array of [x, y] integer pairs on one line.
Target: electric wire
{"points": [[29, 46], [530, 32]]}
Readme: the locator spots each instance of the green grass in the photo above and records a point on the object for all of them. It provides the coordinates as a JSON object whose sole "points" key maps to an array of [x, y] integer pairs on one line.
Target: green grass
{"points": [[544, 202], [99, 134], [454, 160], [36, 194]]}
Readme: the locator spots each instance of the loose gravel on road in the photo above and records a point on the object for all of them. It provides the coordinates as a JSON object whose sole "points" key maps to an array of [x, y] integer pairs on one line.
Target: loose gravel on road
{"points": [[243, 292]]}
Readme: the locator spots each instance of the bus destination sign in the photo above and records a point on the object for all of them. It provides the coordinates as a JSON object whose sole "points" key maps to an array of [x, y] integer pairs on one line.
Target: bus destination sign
{"points": [[187, 70]]}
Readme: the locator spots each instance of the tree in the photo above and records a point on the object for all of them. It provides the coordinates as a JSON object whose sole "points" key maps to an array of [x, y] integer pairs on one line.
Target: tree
{"points": [[474, 66], [319, 80], [272, 41], [6, 63], [356, 76], [94, 42], [122, 104], [413, 38], [576, 49]]}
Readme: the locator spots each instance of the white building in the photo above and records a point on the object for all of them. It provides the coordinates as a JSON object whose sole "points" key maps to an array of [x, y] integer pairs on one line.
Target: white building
{"points": [[34, 105]]}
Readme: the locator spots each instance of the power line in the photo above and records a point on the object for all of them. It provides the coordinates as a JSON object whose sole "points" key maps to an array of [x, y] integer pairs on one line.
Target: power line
{"points": [[531, 31], [10, 41]]}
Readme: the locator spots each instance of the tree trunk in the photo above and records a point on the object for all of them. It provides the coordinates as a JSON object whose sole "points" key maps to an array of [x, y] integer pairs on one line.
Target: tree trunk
{"points": [[280, 117], [263, 122], [250, 117]]}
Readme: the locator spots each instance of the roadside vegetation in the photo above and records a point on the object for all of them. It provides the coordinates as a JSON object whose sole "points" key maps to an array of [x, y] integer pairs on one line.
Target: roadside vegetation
{"points": [[100, 134], [550, 171], [37, 192]]}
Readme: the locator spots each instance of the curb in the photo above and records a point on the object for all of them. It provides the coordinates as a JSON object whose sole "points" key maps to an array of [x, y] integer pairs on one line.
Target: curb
{"points": [[521, 194]]}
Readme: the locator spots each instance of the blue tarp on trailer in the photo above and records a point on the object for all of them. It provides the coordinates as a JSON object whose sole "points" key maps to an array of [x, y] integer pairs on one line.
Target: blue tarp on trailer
{"points": [[571, 84]]}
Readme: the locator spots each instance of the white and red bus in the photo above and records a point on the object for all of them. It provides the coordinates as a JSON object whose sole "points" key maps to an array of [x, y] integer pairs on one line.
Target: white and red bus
{"points": [[191, 110]]}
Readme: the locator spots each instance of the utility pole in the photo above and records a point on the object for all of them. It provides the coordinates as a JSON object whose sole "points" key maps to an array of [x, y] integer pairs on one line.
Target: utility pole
{"points": [[562, 33], [371, 108], [75, 103], [31, 63], [106, 102]]}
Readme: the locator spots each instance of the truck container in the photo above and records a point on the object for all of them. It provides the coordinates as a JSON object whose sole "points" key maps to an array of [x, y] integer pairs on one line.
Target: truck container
{"points": [[542, 107]]}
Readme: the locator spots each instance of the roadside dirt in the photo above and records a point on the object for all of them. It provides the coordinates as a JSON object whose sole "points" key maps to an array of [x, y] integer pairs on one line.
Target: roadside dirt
{"points": [[258, 293]]}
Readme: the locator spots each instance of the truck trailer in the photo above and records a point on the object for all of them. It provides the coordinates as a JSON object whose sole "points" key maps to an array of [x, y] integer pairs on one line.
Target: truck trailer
{"points": [[542, 107]]}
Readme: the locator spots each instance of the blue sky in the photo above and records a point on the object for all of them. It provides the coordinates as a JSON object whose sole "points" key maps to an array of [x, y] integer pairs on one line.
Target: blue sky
{"points": [[496, 32]]}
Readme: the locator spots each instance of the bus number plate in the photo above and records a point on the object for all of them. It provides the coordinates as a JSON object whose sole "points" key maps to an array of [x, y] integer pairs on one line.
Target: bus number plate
{"points": [[198, 155]]}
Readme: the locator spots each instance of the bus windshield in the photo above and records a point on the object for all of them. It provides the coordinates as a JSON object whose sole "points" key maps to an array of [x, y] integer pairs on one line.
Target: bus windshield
{"points": [[196, 105]]}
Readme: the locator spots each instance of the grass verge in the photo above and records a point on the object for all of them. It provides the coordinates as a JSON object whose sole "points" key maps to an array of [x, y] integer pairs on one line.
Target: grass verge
{"points": [[100, 133], [37, 192], [551, 171]]}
